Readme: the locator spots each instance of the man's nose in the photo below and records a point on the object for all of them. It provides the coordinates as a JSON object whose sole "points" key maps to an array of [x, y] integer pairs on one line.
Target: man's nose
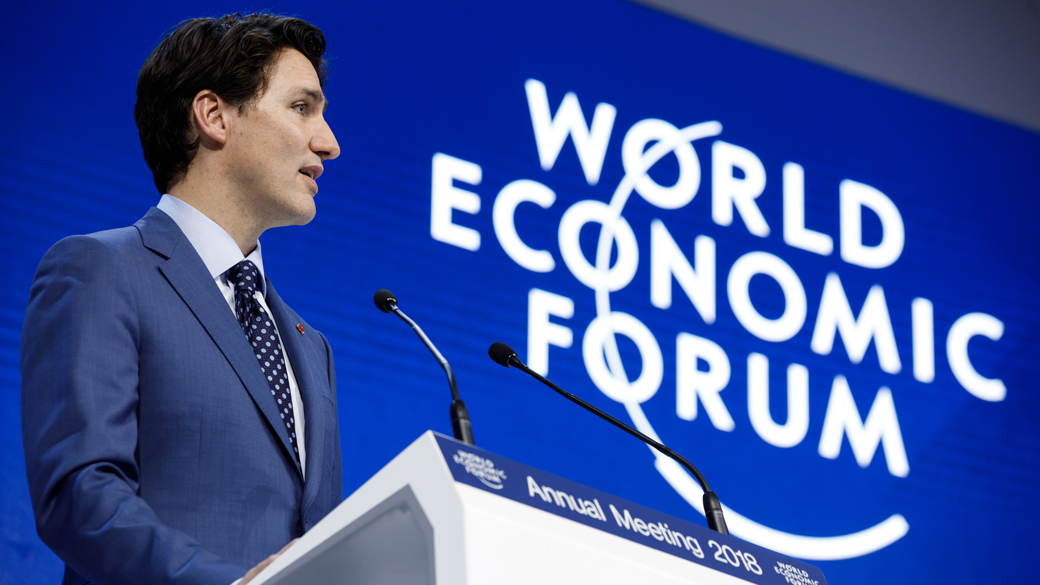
{"points": [[324, 142]]}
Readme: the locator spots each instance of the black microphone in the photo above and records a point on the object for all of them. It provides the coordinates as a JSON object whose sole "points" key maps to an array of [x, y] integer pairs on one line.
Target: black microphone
{"points": [[504, 355], [387, 303]]}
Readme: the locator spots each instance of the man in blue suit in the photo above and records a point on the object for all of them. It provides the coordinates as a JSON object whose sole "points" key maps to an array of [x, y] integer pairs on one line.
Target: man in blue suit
{"points": [[179, 419]]}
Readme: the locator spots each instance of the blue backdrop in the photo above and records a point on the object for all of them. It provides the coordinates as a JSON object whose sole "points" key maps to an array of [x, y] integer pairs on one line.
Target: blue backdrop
{"points": [[855, 375]]}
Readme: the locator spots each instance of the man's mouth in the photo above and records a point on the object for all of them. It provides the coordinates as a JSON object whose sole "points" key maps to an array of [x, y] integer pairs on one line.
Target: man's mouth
{"points": [[312, 171]]}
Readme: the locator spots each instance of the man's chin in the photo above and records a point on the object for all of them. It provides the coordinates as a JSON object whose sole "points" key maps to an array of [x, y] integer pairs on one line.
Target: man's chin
{"points": [[305, 218], [306, 212], [301, 215]]}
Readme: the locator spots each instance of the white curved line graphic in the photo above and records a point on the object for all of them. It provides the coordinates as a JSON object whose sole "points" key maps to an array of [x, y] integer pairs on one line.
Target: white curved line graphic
{"points": [[816, 548], [494, 486]]}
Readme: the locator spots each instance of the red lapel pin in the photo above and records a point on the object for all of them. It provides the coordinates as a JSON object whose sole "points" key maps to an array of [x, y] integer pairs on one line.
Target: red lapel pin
{"points": [[300, 327]]}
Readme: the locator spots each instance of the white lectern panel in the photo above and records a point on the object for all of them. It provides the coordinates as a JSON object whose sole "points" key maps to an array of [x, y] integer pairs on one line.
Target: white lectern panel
{"points": [[545, 548]]}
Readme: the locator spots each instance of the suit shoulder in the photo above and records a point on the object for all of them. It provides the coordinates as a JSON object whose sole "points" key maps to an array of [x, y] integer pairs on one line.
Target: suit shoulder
{"points": [[90, 260], [98, 243], [115, 248]]}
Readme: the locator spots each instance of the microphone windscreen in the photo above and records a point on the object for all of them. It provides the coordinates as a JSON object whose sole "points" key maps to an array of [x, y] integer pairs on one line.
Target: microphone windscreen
{"points": [[385, 300], [501, 353]]}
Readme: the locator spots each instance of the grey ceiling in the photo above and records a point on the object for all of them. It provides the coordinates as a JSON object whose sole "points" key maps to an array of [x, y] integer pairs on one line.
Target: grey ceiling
{"points": [[980, 55]]}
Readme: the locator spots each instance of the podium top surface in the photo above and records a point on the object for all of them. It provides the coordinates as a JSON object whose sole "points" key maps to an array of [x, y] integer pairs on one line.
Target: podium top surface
{"points": [[599, 510]]}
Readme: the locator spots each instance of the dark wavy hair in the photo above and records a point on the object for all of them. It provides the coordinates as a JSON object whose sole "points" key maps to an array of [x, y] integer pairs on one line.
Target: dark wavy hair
{"points": [[231, 56]]}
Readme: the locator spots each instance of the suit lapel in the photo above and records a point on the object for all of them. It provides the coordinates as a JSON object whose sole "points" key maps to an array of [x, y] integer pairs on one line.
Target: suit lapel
{"points": [[314, 388], [187, 274]]}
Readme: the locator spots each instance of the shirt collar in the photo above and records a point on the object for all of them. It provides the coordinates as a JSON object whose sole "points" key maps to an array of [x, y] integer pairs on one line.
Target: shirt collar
{"points": [[215, 246]]}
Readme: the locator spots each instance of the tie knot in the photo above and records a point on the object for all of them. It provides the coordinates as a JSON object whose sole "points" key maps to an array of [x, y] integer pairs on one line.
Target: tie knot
{"points": [[244, 276]]}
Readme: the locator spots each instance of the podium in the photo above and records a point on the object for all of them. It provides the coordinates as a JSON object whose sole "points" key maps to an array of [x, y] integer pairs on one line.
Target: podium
{"points": [[446, 513]]}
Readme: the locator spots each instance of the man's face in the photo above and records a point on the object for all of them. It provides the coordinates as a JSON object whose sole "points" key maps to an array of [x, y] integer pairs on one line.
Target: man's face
{"points": [[277, 145]]}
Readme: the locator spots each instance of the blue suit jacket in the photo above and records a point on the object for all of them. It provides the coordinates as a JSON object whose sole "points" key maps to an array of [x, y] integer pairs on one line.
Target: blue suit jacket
{"points": [[153, 449]]}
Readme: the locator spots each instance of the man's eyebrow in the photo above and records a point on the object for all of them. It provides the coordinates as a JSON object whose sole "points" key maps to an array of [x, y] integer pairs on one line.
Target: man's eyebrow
{"points": [[315, 95]]}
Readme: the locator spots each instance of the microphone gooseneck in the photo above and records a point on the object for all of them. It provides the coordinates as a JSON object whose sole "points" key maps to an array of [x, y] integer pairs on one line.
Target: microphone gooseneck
{"points": [[504, 355], [460, 423]]}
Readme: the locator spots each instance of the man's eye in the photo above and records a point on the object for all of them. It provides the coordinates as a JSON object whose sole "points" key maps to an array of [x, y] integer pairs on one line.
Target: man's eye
{"points": [[301, 108]]}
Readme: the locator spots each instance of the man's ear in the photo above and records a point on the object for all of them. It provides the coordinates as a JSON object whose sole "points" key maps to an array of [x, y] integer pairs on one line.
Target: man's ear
{"points": [[210, 114]]}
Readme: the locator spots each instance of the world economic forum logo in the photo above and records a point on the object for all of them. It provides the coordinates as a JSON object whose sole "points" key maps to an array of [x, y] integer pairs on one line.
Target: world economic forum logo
{"points": [[738, 178], [480, 467]]}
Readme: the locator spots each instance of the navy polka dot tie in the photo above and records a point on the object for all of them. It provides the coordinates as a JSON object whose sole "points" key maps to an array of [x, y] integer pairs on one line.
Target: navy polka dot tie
{"points": [[260, 330]]}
